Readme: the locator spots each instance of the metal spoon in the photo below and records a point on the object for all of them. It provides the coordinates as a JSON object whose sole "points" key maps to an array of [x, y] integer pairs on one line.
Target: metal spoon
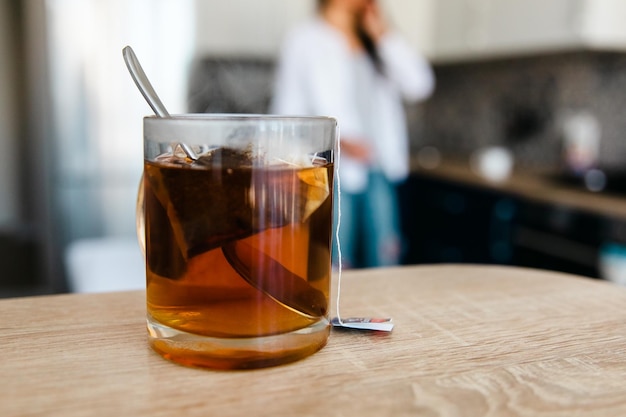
{"points": [[276, 281], [145, 87], [285, 287]]}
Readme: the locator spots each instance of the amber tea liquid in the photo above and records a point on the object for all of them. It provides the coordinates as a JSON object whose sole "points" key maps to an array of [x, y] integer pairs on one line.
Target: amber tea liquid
{"points": [[238, 255]]}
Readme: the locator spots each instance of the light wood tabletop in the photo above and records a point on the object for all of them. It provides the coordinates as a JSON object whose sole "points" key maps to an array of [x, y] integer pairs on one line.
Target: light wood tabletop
{"points": [[468, 341]]}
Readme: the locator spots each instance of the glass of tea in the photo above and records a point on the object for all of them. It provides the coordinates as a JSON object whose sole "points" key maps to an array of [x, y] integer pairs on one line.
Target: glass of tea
{"points": [[237, 236]]}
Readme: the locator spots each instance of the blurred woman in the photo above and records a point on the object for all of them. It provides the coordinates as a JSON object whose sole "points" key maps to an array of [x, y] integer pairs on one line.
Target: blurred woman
{"points": [[347, 63]]}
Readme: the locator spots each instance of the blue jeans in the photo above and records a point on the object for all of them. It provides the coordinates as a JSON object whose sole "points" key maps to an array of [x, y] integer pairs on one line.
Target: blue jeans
{"points": [[369, 231]]}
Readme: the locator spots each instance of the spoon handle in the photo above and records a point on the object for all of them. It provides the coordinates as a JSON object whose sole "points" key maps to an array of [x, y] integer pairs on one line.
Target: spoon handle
{"points": [[276, 281], [143, 83]]}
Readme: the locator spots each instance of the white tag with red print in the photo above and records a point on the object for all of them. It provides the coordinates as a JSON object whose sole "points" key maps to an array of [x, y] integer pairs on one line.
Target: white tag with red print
{"points": [[363, 323]]}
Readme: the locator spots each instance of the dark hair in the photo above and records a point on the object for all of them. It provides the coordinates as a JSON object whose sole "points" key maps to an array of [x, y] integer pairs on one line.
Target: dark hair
{"points": [[321, 4], [370, 49], [366, 41]]}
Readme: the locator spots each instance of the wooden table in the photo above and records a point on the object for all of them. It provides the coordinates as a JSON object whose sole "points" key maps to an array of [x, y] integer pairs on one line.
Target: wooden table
{"points": [[469, 341]]}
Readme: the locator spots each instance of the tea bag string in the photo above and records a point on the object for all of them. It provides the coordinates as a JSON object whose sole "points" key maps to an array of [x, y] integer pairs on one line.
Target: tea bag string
{"points": [[360, 323], [339, 260]]}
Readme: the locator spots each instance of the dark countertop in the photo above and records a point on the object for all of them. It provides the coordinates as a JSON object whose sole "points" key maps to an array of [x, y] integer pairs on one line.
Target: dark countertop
{"points": [[530, 185]]}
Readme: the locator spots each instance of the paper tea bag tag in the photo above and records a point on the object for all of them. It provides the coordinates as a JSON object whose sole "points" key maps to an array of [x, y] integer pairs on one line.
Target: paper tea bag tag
{"points": [[364, 323]]}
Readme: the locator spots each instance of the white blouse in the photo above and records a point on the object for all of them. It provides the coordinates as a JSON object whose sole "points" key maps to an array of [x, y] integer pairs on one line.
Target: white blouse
{"points": [[318, 74]]}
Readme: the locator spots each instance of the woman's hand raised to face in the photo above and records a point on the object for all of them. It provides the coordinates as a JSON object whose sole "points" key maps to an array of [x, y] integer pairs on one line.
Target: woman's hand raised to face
{"points": [[373, 21], [357, 150]]}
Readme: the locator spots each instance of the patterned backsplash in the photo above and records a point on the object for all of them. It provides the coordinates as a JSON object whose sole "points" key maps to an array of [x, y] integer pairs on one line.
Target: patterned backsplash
{"points": [[518, 103], [231, 85], [521, 103]]}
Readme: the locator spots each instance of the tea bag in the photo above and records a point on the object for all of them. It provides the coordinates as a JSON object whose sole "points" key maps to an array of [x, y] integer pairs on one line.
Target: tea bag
{"points": [[227, 195], [199, 212]]}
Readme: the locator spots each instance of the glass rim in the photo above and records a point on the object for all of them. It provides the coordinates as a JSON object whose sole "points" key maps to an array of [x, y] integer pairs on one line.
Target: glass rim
{"points": [[233, 117]]}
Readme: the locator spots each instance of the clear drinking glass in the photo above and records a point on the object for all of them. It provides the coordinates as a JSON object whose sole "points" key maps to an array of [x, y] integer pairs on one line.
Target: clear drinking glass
{"points": [[237, 242]]}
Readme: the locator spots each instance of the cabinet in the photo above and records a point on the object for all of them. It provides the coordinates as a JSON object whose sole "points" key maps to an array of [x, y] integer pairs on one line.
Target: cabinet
{"points": [[247, 28], [469, 29], [449, 222]]}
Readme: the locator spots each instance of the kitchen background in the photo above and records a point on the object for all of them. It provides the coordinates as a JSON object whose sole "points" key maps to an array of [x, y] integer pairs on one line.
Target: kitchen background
{"points": [[526, 79]]}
